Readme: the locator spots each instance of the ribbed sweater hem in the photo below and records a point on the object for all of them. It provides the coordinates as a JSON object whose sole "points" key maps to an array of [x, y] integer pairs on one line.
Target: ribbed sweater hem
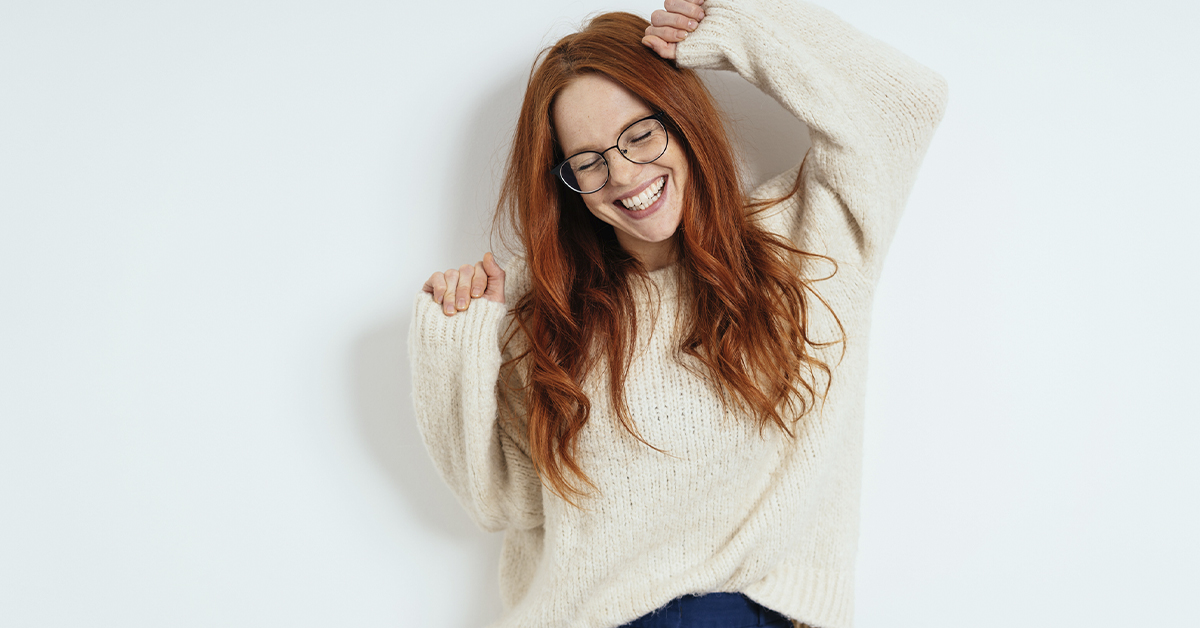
{"points": [[816, 598]]}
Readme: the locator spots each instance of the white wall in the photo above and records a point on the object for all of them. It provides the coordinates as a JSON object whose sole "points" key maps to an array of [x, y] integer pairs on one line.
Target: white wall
{"points": [[214, 218]]}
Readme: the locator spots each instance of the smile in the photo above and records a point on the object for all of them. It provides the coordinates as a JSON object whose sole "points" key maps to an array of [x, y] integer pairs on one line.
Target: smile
{"points": [[646, 198]]}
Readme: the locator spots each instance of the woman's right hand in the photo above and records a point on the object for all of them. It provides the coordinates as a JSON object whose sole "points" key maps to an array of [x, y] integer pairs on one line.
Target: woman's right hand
{"points": [[455, 288]]}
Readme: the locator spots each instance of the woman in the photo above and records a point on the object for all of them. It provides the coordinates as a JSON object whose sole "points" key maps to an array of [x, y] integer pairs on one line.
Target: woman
{"points": [[661, 401]]}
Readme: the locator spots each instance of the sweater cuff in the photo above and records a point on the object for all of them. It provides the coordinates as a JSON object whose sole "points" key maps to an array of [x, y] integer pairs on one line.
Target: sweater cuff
{"points": [[702, 50], [468, 333]]}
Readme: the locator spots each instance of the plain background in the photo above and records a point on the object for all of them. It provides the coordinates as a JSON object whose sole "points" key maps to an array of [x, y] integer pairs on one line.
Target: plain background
{"points": [[215, 216]]}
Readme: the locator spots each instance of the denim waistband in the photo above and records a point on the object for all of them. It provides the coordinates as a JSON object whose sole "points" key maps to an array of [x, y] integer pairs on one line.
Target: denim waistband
{"points": [[711, 610]]}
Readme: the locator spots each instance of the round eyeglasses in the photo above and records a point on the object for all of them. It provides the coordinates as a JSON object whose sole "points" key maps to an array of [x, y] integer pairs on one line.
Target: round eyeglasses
{"points": [[641, 142]]}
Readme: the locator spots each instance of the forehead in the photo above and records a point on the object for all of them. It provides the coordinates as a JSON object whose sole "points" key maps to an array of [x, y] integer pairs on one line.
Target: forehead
{"points": [[592, 110]]}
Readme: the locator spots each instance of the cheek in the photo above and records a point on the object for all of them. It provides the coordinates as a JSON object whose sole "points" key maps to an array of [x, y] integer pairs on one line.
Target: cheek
{"points": [[679, 165], [597, 206]]}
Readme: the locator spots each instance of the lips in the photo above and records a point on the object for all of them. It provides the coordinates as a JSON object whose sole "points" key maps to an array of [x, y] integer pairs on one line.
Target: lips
{"points": [[644, 201], [645, 197]]}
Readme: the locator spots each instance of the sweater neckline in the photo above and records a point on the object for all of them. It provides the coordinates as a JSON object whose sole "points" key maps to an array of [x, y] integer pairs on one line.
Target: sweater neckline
{"points": [[666, 280]]}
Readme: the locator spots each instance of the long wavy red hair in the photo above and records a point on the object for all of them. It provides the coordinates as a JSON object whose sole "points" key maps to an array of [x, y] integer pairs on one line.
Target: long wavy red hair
{"points": [[746, 298]]}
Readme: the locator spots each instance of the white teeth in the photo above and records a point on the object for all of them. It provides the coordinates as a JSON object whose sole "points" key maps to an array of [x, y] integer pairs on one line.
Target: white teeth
{"points": [[646, 198]]}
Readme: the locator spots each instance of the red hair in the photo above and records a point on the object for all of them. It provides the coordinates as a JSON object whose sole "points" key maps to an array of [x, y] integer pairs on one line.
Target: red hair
{"points": [[744, 285]]}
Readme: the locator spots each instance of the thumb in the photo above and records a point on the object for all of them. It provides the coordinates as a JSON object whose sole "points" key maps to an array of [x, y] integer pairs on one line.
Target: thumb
{"points": [[661, 47], [495, 283]]}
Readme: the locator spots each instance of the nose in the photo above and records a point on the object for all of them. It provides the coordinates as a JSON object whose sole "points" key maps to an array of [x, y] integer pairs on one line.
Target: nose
{"points": [[621, 171]]}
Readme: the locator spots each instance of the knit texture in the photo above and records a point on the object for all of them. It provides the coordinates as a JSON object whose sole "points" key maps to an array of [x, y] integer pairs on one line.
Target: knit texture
{"points": [[727, 507]]}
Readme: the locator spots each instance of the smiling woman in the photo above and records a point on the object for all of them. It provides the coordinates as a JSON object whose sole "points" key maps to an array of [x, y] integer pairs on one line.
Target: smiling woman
{"points": [[660, 402], [642, 196]]}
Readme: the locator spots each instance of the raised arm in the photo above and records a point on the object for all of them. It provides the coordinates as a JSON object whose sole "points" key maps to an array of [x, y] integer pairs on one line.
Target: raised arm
{"points": [[871, 111], [468, 421]]}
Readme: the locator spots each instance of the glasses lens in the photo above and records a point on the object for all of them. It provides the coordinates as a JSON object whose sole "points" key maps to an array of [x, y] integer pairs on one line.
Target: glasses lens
{"points": [[643, 142], [585, 172]]}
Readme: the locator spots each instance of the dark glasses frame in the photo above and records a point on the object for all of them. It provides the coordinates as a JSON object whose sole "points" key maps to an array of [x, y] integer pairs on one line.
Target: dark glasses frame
{"points": [[659, 116]]}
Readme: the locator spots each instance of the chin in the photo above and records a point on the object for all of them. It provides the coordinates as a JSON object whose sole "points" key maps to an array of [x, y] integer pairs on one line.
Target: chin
{"points": [[660, 238]]}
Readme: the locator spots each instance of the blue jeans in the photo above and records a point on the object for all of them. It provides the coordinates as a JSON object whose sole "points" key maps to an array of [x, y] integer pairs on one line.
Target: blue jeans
{"points": [[712, 610]]}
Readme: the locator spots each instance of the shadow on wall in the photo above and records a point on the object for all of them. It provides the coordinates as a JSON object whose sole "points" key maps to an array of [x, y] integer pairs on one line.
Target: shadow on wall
{"points": [[382, 382], [382, 387], [380, 370], [474, 183], [769, 140]]}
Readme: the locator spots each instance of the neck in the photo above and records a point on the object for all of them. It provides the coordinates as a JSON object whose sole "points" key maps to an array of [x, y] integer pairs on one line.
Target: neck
{"points": [[653, 255]]}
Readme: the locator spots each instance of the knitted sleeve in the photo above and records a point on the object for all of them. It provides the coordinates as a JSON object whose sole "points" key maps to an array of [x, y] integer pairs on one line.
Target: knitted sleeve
{"points": [[466, 418], [870, 109]]}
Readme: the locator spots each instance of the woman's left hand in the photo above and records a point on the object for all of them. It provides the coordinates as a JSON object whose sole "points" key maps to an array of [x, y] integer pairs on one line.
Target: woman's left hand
{"points": [[672, 25]]}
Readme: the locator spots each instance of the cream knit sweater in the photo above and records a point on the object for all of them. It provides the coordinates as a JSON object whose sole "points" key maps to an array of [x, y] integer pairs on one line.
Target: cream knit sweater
{"points": [[726, 508]]}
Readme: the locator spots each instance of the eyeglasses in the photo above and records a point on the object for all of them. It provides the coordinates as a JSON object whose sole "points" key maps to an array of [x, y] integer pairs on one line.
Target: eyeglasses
{"points": [[641, 142]]}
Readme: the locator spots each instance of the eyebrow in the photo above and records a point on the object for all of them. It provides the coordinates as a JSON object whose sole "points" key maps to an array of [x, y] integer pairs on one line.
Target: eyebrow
{"points": [[596, 149]]}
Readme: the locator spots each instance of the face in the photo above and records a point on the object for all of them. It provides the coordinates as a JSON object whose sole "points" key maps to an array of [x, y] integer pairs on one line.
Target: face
{"points": [[589, 114]]}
